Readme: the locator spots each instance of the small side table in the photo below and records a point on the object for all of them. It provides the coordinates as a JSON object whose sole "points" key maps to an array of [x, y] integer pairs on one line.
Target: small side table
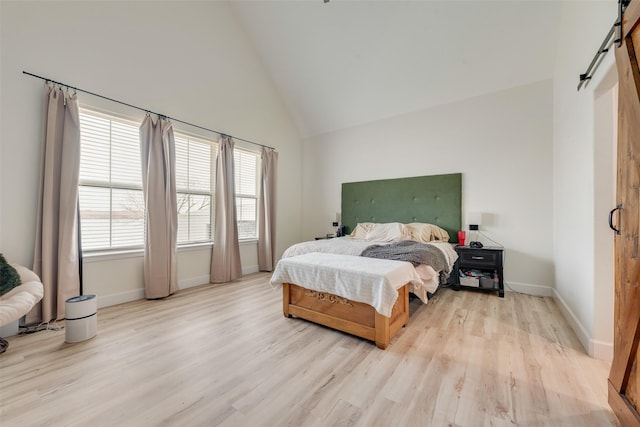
{"points": [[487, 260]]}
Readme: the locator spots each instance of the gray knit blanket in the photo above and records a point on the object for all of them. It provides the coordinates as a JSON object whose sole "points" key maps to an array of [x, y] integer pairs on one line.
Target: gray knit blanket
{"points": [[408, 250]]}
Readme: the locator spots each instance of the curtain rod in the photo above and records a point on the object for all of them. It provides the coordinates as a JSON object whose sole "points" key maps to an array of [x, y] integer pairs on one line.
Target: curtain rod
{"points": [[144, 109]]}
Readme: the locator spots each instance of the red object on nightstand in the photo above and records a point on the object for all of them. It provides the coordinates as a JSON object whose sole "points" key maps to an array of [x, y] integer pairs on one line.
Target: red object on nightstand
{"points": [[462, 235]]}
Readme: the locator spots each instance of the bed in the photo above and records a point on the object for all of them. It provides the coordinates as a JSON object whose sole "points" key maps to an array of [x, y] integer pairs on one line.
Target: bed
{"points": [[437, 253], [363, 296], [428, 203]]}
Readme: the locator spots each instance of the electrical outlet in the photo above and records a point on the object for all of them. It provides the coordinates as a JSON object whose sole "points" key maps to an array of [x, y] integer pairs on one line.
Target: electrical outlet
{"points": [[473, 226], [334, 223]]}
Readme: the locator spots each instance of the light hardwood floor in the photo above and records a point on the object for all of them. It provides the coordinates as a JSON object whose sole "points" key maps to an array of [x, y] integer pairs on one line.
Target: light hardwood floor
{"points": [[225, 355]]}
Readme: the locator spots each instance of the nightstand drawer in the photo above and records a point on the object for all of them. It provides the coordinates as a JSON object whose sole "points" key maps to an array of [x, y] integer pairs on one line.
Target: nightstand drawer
{"points": [[479, 258]]}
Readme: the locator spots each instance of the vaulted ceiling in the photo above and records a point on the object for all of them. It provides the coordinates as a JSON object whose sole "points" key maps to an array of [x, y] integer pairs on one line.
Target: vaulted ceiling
{"points": [[345, 63]]}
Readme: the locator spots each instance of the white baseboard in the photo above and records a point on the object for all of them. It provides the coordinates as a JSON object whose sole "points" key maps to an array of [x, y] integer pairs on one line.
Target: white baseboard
{"points": [[120, 298], [250, 270], [601, 350], [203, 280], [597, 349], [193, 281], [581, 332], [136, 294], [529, 289]]}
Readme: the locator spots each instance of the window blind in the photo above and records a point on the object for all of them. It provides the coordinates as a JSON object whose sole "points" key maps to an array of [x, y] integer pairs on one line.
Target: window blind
{"points": [[110, 187], [246, 174], [195, 173]]}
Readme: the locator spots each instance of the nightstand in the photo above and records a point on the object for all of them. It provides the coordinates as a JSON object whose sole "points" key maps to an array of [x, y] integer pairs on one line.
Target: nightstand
{"points": [[485, 268]]}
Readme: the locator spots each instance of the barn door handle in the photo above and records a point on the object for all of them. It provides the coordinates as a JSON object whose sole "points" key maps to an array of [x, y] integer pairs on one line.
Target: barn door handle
{"points": [[617, 230]]}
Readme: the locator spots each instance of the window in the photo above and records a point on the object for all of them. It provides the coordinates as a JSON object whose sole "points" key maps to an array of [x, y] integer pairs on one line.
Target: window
{"points": [[195, 174], [110, 190], [246, 174], [111, 198]]}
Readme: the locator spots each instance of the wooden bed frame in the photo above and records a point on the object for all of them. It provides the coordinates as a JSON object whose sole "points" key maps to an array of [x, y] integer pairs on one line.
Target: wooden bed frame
{"points": [[435, 199], [339, 313]]}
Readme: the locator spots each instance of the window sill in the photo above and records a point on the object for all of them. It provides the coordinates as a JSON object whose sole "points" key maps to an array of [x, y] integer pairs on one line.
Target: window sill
{"points": [[189, 247], [99, 256], [112, 255]]}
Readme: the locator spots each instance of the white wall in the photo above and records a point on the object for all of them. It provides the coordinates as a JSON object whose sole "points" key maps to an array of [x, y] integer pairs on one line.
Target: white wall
{"points": [[583, 178], [502, 144], [530, 156], [188, 60]]}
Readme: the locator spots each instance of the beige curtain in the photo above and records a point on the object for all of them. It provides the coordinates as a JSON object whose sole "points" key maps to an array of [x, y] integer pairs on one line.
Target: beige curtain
{"points": [[267, 210], [56, 254], [225, 257], [157, 149]]}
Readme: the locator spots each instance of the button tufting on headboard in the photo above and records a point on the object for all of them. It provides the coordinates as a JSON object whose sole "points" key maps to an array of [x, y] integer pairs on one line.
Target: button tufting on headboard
{"points": [[436, 199]]}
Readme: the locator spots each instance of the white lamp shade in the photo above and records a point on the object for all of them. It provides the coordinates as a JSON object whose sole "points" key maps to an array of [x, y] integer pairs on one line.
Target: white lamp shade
{"points": [[474, 218]]}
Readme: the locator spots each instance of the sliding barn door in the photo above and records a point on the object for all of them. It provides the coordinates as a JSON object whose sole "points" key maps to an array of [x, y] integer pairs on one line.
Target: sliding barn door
{"points": [[624, 379]]}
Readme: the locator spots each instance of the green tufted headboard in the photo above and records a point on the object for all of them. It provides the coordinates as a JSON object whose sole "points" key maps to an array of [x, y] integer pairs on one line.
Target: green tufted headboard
{"points": [[435, 199]]}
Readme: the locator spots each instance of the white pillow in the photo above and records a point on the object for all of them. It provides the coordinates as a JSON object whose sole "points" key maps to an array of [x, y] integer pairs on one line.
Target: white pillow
{"points": [[361, 230], [386, 232]]}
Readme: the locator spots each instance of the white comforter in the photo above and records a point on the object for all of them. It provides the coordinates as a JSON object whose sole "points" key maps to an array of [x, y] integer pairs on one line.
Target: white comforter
{"points": [[351, 246], [368, 280], [340, 245]]}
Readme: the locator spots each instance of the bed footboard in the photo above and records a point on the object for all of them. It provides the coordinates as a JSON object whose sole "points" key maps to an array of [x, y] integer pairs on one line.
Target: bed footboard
{"points": [[345, 315]]}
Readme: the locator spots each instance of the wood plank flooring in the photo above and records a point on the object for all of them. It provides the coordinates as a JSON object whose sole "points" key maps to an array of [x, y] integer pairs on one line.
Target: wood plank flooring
{"points": [[224, 355]]}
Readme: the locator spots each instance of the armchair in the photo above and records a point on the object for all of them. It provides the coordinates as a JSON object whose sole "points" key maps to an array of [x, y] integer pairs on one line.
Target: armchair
{"points": [[20, 300]]}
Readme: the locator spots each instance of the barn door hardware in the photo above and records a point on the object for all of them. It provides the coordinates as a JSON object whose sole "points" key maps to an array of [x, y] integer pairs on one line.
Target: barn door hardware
{"points": [[617, 208], [622, 6], [609, 40]]}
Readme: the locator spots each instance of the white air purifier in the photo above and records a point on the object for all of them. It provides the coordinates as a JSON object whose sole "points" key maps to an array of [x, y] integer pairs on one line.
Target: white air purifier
{"points": [[81, 322]]}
